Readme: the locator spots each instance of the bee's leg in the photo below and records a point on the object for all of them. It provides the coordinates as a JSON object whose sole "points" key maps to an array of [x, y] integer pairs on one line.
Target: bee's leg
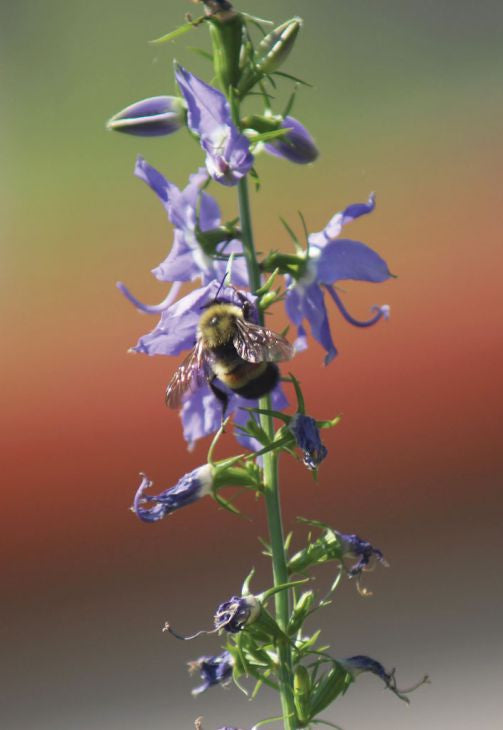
{"points": [[220, 395]]}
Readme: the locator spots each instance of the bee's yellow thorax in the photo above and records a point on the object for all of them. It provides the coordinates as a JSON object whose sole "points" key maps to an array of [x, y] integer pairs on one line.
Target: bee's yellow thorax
{"points": [[216, 324]]}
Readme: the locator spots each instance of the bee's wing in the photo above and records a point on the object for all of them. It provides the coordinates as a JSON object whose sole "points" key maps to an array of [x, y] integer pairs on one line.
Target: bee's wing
{"points": [[254, 343], [188, 376]]}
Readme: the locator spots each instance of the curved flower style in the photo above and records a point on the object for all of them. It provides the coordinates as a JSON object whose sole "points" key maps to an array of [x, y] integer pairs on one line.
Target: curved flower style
{"points": [[228, 156], [355, 547], [331, 259], [176, 331], [307, 437], [237, 613], [297, 146], [213, 669], [189, 210], [190, 488], [153, 117]]}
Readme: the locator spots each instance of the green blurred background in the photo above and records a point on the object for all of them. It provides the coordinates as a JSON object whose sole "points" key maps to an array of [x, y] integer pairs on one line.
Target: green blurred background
{"points": [[407, 101]]}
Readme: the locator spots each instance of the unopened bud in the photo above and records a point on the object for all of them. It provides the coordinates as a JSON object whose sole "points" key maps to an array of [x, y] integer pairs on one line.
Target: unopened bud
{"points": [[153, 117], [274, 49]]}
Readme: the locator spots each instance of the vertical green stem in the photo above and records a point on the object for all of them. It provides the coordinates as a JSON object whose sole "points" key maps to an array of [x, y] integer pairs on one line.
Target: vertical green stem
{"points": [[271, 483]]}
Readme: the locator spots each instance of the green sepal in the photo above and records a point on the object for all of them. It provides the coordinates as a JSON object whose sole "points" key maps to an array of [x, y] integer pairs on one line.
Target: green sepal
{"points": [[268, 284], [325, 548], [245, 589], [179, 31], [267, 136], [293, 78], [334, 683]]}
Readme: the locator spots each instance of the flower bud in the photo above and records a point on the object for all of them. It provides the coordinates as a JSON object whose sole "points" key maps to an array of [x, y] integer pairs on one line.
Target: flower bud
{"points": [[307, 437], [274, 49], [296, 146], [153, 117]]}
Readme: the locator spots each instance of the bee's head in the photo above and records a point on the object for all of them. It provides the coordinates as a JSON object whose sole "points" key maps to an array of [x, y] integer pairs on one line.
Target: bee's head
{"points": [[217, 323]]}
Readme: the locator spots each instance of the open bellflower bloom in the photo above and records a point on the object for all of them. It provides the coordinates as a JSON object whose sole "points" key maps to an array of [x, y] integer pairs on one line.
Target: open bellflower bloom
{"points": [[192, 213], [153, 117], [228, 156], [356, 665], [296, 146], [189, 489], [237, 613], [307, 437], [176, 332], [331, 259], [213, 669]]}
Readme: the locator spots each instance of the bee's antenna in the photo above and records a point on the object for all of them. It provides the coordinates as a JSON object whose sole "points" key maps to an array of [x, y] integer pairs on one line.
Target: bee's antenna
{"points": [[222, 284]]}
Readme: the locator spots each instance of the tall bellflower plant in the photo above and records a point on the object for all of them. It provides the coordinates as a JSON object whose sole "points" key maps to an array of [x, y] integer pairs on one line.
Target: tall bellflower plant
{"points": [[264, 634]]}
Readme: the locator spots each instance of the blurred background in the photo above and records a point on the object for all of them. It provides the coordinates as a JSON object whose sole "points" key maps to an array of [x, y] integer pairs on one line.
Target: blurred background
{"points": [[407, 101]]}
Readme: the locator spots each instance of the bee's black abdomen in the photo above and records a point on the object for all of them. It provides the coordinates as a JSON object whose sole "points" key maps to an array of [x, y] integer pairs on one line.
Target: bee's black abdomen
{"points": [[262, 384]]}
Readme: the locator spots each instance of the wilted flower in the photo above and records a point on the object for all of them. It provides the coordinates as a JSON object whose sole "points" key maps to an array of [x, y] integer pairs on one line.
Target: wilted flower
{"points": [[237, 613], [153, 117], [188, 489], [196, 218], [307, 437], [355, 665], [355, 547], [331, 259], [228, 156], [296, 146], [213, 669]]}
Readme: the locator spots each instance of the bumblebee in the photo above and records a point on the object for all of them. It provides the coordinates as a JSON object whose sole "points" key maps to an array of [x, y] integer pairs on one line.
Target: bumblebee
{"points": [[230, 347]]}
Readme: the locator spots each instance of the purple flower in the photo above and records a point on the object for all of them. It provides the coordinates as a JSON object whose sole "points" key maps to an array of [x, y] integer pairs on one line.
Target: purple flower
{"points": [[355, 665], [228, 156], [189, 488], [331, 259], [361, 550], [176, 332], [307, 437], [153, 117], [297, 146], [202, 414], [213, 669], [193, 213], [237, 613]]}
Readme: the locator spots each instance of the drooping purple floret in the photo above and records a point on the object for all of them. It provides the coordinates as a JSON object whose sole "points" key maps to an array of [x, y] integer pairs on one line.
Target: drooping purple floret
{"points": [[355, 665], [213, 669], [236, 613], [331, 259], [355, 547], [307, 437], [297, 146], [188, 489], [228, 156]]}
